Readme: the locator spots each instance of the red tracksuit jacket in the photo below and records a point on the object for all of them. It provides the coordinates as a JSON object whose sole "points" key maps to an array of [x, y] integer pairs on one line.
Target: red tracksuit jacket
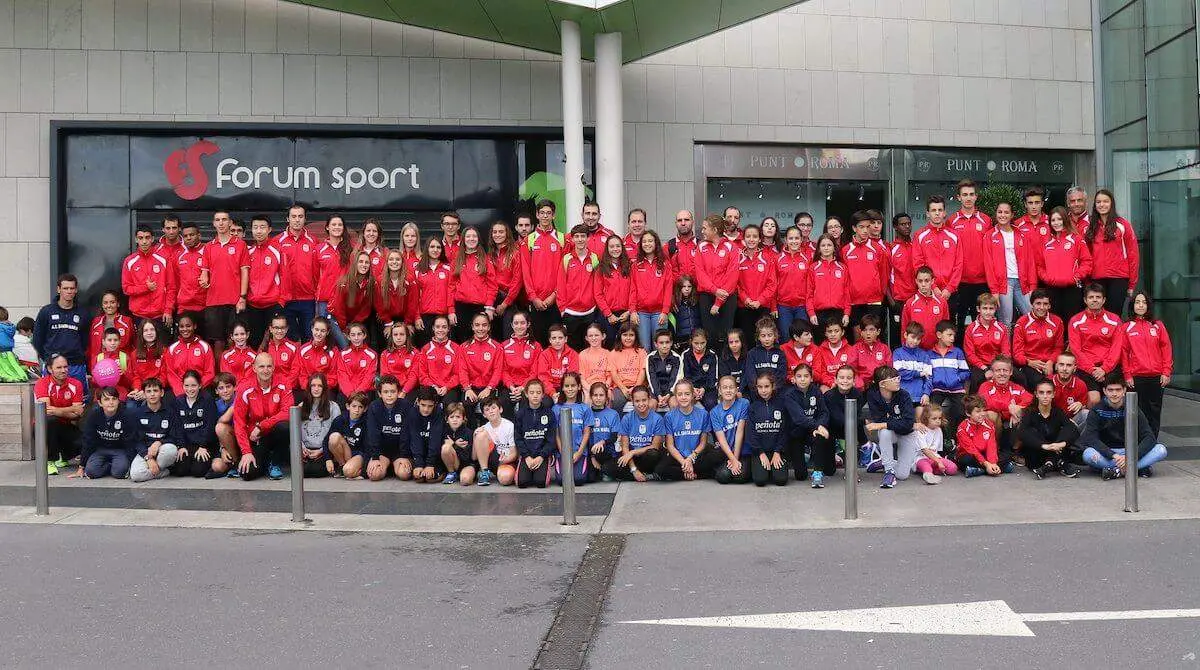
{"points": [[795, 357], [1118, 257], [396, 307], [189, 297], [439, 364], [346, 313], [1038, 231], [435, 289], [682, 255], [903, 279], [983, 342], [791, 271], [313, 359], [141, 369], [868, 272], [482, 364], [266, 276], [717, 268], [475, 288], [1146, 349], [1037, 339], [183, 356], [137, 271], [998, 398], [301, 266], [540, 262], [239, 362], [521, 357], [508, 277], [652, 287], [1064, 260], [330, 269], [256, 407], [552, 365], [926, 310], [401, 364], [1095, 338], [122, 323], [286, 355], [378, 258], [871, 357], [576, 283], [757, 280], [942, 251], [828, 360], [356, 370], [613, 292], [1073, 389], [828, 287], [972, 231], [996, 265], [978, 440]]}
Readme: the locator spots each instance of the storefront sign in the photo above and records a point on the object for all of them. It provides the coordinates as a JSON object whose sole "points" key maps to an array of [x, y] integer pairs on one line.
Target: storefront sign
{"points": [[737, 161], [990, 165]]}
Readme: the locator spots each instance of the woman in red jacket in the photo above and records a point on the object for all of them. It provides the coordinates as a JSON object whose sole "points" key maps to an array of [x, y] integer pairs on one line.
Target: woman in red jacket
{"points": [[284, 352], [756, 280], [110, 317], [146, 362], [238, 357], [1064, 264], [333, 262], [187, 353], [1146, 358], [613, 287], [435, 289], [772, 240], [651, 285], [439, 362], [505, 254], [395, 300], [1114, 250], [319, 355], [474, 279], [371, 243], [357, 364], [399, 359], [791, 270], [481, 362], [828, 287], [354, 296], [410, 245], [1010, 264], [521, 354], [717, 262]]}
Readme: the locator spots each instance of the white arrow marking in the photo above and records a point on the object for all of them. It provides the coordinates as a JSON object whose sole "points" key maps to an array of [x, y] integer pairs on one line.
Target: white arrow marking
{"points": [[986, 618]]}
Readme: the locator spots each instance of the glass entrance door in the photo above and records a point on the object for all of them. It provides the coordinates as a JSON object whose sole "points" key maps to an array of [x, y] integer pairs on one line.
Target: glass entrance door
{"points": [[783, 198]]}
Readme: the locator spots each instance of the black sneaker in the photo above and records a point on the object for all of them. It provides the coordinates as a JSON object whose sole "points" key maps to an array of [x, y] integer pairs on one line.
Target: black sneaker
{"points": [[1040, 472], [1146, 472], [1068, 470], [1109, 473]]}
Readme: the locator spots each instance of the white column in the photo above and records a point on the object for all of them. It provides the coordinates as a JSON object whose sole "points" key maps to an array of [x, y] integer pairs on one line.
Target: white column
{"points": [[572, 100], [610, 136]]}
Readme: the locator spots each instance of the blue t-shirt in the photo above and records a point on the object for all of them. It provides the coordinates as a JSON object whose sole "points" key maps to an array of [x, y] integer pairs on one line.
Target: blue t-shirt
{"points": [[581, 416], [721, 420], [687, 429], [606, 423], [641, 432]]}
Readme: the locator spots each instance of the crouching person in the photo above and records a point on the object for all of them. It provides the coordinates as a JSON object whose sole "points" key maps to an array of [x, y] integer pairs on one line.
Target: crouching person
{"points": [[155, 432], [1048, 435], [107, 438], [689, 455], [495, 446], [260, 422], [347, 440], [727, 420], [768, 427], [198, 429], [978, 452], [641, 435], [389, 440], [1103, 438], [535, 433], [458, 447]]}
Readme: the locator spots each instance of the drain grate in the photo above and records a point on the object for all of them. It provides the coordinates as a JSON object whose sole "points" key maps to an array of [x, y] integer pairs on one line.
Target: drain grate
{"points": [[577, 617]]}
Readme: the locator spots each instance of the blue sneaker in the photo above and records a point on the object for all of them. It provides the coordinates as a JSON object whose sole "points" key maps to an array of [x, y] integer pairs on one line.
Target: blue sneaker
{"points": [[485, 478], [970, 472], [864, 454], [274, 472], [234, 473], [818, 480], [875, 466], [1008, 468], [889, 481], [451, 477]]}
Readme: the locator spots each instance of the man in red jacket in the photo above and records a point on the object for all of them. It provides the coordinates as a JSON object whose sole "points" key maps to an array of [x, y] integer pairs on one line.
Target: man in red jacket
{"points": [[170, 245], [266, 272], [260, 423], [225, 279], [681, 249], [971, 226], [597, 234], [146, 280], [1035, 222], [576, 287], [543, 251], [938, 248], [636, 225], [867, 267], [300, 272], [189, 264]]}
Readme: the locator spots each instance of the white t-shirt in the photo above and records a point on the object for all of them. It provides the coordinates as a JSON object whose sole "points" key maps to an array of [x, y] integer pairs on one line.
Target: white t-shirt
{"points": [[1010, 253], [502, 436]]}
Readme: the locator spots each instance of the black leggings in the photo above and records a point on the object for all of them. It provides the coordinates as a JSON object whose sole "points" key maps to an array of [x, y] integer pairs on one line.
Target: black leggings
{"points": [[272, 447], [747, 320], [719, 324], [464, 313], [62, 440], [762, 476], [646, 463], [539, 477], [189, 466], [1150, 399], [725, 476], [315, 469], [1115, 294], [540, 321], [821, 449], [669, 469], [1065, 302], [964, 302]]}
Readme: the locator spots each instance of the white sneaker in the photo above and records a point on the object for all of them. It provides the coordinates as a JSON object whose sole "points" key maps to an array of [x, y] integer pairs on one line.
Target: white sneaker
{"points": [[931, 478]]}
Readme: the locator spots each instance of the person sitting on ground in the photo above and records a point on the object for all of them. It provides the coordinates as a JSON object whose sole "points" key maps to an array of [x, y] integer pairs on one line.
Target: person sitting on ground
{"points": [[1071, 394], [932, 464], [197, 429], [1006, 401], [63, 395], [317, 414], [810, 428], [642, 435], [347, 442], [260, 422], [727, 420], [107, 438], [457, 446], [388, 436], [890, 424], [664, 368], [766, 435], [978, 453], [606, 423], [156, 432], [835, 403], [689, 455], [426, 431], [229, 454], [495, 446], [535, 432], [571, 396], [1047, 435], [1103, 437]]}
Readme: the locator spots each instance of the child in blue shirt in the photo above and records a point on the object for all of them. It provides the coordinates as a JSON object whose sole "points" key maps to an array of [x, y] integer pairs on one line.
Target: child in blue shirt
{"points": [[606, 422], [948, 383], [727, 421], [581, 428], [689, 455], [641, 434], [915, 366], [767, 430]]}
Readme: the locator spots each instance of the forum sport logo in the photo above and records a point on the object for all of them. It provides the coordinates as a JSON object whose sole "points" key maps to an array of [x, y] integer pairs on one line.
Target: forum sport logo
{"points": [[186, 173]]}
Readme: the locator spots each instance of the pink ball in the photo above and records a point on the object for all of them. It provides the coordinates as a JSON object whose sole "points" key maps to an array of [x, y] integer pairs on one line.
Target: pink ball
{"points": [[106, 372]]}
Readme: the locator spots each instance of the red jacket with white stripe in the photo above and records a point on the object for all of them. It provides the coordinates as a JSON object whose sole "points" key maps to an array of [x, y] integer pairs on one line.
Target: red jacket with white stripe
{"points": [[828, 287], [978, 440], [1116, 258], [439, 364], [266, 276], [871, 357], [482, 362], [553, 364], [286, 355], [1038, 231], [330, 270], [401, 364], [795, 357], [757, 280], [356, 370], [828, 360], [613, 292], [391, 305], [183, 356], [996, 264], [868, 271], [1037, 339], [435, 289], [791, 272], [141, 369], [1095, 339], [189, 296], [972, 231], [344, 312], [999, 398], [507, 277], [682, 255], [576, 283], [239, 362], [717, 268], [475, 288], [926, 310], [903, 280], [983, 342], [941, 250], [301, 267], [313, 359], [1072, 389], [256, 407], [1146, 349], [137, 271], [520, 361], [652, 287], [541, 259], [1064, 260]]}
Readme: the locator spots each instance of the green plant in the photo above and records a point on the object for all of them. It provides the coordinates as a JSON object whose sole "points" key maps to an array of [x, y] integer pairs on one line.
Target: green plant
{"points": [[994, 194]]}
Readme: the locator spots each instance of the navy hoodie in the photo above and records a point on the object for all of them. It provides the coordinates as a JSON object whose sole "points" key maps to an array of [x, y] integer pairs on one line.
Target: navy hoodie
{"points": [[107, 432], [62, 331], [806, 409], [533, 431], [835, 404], [734, 367], [1104, 430], [150, 426], [701, 373], [767, 425], [898, 413], [760, 360], [198, 423], [353, 431], [663, 372], [387, 425], [425, 438]]}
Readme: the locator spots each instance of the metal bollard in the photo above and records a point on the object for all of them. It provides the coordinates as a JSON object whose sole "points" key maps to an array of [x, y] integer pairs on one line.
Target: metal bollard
{"points": [[41, 456], [296, 447], [850, 459], [1131, 451], [566, 467]]}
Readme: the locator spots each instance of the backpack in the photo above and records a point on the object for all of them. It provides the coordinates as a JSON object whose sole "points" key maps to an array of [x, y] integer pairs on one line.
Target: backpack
{"points": [[11, 370]]}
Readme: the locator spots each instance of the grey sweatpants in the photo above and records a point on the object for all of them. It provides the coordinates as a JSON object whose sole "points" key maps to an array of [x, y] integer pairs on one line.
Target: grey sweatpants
{"points": [[899, 453], [139, 471]]}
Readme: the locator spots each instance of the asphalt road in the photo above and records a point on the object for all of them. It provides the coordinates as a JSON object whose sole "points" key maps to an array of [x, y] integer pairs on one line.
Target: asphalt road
{"points": [[135, 598]]}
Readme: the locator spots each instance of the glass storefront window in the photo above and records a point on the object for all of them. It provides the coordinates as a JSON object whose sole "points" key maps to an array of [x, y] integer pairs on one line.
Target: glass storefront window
{"points": [[1123, 51], [784, 198], [1182, 320], [1173, 113]]}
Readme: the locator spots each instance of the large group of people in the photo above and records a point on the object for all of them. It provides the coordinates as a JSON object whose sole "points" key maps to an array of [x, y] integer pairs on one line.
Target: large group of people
{"points": [[973, 345]]}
